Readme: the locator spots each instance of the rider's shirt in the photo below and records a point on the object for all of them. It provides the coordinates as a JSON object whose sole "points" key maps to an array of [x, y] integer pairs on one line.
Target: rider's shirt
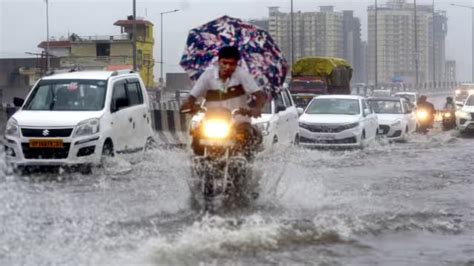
{"points": [[231, 93]]}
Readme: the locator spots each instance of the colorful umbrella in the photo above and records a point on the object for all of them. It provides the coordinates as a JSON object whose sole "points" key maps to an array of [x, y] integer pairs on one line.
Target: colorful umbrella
{"points": [[260, 54]]}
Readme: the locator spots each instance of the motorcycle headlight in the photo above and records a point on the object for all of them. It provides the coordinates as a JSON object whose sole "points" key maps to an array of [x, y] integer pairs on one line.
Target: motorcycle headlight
{"points": [[87, 127], [216, 129], [12, 129], [263, 127], [422, 114], [447, 115], [471, 92], [458, 92], [397, 123]]}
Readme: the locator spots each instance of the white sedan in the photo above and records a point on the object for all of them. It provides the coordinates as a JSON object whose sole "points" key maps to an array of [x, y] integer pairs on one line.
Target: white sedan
{"points": [[338, 120], [396, 118]]}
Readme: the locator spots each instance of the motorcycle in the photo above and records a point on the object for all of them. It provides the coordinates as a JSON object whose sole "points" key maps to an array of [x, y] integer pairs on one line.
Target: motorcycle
{"points": [[448, 120], [221, 167], [424, 121]]}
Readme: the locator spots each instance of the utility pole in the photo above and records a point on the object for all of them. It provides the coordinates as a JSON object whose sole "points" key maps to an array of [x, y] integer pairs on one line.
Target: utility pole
{"points": [[434, 43], [161, 40], [376, 47], [416, 46]]}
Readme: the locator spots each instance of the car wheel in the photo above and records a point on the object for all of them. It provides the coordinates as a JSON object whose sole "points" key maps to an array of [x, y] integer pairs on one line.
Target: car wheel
{"points": [[107, 151]]}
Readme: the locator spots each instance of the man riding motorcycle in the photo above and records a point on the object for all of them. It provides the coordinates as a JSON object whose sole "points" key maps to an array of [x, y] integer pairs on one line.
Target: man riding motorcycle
{"points": [[229, 86], [425, 114], [449, 114]]}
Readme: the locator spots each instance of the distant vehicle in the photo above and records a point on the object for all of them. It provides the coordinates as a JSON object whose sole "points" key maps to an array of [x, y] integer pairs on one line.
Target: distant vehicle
{"points": [[465, 116], [395, 116], [312, 76], [462, 92], [411, 96], [338, 120], [381, 93], [79, 118]]}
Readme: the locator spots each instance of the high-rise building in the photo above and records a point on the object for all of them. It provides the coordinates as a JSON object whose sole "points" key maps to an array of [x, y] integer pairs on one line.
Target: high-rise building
{"points": [[450, 68], [320, 33], [403, 53]]}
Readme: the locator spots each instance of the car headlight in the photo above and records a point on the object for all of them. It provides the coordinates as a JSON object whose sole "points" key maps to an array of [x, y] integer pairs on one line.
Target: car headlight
{"points": [[397, 123], [303, 125], [87, 127], [216, 129], [12, 129], [263, 127], [471, 92]]}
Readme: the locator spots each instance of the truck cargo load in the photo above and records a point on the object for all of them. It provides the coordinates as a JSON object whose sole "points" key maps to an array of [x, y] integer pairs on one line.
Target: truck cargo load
{"points": [[313, 76]]}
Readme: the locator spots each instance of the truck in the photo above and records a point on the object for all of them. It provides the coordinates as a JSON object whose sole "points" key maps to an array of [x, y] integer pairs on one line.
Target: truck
{"points": [[311, 76]]}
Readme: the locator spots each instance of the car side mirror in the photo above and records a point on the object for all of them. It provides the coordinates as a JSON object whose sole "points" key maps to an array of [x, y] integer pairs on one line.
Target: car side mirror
{"points": [[18, 102], [300, 110], [120, 103], [280, 108]]}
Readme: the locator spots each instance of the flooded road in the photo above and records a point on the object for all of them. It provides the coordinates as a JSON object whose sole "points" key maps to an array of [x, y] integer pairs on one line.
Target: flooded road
{"points": [[389, 204]]}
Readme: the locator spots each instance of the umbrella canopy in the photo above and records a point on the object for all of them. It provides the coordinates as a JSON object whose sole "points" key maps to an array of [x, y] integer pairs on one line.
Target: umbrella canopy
{"points": [[260, 55]]}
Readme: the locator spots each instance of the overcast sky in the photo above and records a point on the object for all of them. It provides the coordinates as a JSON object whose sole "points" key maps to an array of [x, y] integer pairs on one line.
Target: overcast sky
{"points": [[23, 22]]}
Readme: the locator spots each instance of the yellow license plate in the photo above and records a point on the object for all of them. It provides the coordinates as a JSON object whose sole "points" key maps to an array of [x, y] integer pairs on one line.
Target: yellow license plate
{"points": [[46, 143]]}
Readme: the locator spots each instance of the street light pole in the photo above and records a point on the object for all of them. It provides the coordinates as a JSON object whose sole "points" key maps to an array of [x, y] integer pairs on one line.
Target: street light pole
{"points": [[376, 47], [472, 38], [161, 40]]}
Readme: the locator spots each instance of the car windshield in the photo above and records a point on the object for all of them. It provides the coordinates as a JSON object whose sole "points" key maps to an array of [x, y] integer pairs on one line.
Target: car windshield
{"points": [[334, 107], [68, 95], [386, 107]]}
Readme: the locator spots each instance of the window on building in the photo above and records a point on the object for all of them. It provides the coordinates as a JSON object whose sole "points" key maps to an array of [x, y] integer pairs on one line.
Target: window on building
{"points": [[102, 49]]}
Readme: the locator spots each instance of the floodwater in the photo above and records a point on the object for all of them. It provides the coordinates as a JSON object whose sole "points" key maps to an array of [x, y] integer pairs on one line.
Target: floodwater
{"points": [[389, 204]]}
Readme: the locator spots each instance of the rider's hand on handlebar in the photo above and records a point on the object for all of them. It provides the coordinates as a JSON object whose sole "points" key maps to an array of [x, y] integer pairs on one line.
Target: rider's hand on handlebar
{"points": [[188, 105]]}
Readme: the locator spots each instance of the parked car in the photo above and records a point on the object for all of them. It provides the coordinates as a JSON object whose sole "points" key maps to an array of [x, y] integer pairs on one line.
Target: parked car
{"points": [[77, 118], [338, 120], [465, 116], [395, 116]]}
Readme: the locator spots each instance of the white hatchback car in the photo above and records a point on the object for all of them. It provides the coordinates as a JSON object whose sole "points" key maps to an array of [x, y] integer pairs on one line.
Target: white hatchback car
{"points": [[76, 118], [337, 120], [395, 115], [279, 121]]}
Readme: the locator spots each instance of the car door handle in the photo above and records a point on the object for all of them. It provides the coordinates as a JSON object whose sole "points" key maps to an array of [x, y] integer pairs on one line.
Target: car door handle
{"points": [[144, 115], [130, 119]]}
